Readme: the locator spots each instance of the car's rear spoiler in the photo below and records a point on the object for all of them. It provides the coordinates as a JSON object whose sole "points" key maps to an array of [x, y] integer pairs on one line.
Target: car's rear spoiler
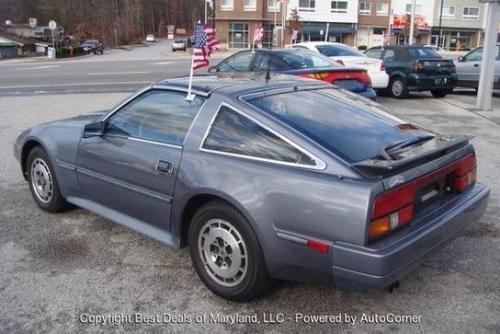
{"points": [[374, 168]]}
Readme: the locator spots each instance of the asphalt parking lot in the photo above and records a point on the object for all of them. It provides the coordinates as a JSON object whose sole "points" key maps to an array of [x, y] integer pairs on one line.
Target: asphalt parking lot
{"points": [[60, 272]]}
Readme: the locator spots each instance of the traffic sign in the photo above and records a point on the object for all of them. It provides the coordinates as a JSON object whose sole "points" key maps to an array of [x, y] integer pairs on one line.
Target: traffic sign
{"points": [[52, 25]]}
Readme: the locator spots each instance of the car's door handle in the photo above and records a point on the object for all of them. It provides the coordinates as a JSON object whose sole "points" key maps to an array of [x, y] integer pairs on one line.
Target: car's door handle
{"points": [[476, 65], [165, 167]]}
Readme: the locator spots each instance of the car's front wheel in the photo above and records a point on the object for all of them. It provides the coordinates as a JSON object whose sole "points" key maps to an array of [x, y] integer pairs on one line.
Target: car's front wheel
{"points": [[439, 93], [43, 183], [226, 253], [398, 87]]}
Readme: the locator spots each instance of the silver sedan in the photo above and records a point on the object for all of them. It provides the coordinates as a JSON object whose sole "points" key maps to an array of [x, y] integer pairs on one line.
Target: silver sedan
{"points": [[469, 67]]}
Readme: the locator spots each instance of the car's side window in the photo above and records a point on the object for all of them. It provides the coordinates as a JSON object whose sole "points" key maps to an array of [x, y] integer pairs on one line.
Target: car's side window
{"points": [[162, 116], [476, 55], [239, 62], [389, 55], [374, 53], [263, 62], [233, 133]]}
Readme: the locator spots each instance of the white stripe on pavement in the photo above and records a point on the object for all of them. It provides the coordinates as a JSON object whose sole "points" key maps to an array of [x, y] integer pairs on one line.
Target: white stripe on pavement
{"points": [[77, 84], [118, 73], [35, 67]]}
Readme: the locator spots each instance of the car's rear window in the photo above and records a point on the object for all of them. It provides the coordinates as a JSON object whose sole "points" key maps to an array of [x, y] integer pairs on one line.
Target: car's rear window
{"points": [[423, 52], [304, 59], [342, 123], [332, 50]]}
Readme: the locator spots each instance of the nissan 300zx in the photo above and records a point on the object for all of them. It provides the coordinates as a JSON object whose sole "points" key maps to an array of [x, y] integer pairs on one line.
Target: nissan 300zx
{"points": [[276, 178]]}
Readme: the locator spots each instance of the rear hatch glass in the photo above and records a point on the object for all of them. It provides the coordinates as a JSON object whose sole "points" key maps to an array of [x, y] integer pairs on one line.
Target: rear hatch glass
{"points": [[352, 128]]}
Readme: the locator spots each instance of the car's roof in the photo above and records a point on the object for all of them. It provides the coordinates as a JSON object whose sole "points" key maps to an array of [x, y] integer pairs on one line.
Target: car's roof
{"points": [[321, 43], [239, 84]]}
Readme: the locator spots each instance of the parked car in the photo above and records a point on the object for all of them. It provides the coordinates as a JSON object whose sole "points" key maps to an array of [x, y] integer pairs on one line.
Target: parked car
{"points": [[348, 56], [469, 68], [415, 68], [179, 44], [93, 46], [284, 178], [150, 38], [303, 63]]}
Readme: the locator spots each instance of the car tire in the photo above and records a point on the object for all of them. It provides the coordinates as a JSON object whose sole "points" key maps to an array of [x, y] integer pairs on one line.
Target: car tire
{"points": [[398, 88], [226, 253], [43, 182], [440, 93]]}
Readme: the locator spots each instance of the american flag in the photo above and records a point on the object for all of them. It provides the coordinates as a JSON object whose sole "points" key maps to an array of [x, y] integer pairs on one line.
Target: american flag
{"points": [[258, 33], [204, 43]]}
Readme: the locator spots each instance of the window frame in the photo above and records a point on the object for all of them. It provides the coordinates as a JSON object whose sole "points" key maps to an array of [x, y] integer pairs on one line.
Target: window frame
{"points": [[468, 16], [447, 13], [249, 8], [365, 12], [228, 7], [138, 95], [274, 8], [379, 12], [319, 164], [339, 10], [309, 8]]}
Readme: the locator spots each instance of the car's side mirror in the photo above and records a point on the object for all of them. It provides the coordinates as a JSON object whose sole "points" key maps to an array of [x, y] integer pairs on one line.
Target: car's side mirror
{"points": [[213, 69], [461, 59], [95, 129]]}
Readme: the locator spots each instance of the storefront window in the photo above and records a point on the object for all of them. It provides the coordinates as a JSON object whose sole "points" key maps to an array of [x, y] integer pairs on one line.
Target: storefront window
{"points": [[238, 35]]}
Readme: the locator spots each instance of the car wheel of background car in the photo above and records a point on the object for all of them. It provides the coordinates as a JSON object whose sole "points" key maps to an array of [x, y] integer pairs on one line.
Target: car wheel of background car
{"points": [[226, 253], [438, 93], [398, 87], [43, 183]]}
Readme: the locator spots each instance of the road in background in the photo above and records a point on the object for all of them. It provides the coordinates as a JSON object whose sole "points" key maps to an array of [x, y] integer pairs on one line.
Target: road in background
{"points": [[115, 71]]}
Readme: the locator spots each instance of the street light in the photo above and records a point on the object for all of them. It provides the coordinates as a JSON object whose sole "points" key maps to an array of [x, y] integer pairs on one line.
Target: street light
{"points": [[487, 74], [412, 21]]}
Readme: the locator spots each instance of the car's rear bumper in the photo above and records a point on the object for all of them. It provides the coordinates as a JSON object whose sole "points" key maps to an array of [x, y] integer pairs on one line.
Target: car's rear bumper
{"points": [[425, 82], [379, 79], [361, 267]]}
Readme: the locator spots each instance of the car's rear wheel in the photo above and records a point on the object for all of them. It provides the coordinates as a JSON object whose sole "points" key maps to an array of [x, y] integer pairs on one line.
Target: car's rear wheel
{"points": [[398, 87], [226, 253], [439, 93], [43, 183]]}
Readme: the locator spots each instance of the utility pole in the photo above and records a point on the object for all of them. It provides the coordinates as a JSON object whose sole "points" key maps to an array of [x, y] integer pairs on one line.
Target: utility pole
{"points": [[412, 22], [440, 26], [487, 74], [206, 11]]}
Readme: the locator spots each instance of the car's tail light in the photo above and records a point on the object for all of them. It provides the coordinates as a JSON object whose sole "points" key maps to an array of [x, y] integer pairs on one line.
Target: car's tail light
{"points": [[395, 208], [391, 210], [465, 175], [419, 66], [365, 78], [340, 62], [383, 67]]}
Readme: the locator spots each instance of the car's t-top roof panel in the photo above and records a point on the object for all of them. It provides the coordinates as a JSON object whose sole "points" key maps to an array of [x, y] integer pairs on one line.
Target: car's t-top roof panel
{"points": [[239, 84]]}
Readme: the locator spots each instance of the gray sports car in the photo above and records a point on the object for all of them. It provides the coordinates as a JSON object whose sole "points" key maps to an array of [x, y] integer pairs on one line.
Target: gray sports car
{"points": [[280, 178]]}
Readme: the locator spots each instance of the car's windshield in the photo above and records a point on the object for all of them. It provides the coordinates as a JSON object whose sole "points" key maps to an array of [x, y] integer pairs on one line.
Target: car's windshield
{"points": [[91, 41], [351, 128], [423, 52], [338, 50], [304, 59]]}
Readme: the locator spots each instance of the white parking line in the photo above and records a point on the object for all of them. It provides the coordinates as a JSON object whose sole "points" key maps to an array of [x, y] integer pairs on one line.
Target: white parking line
{"points": [[163, 63], [118, 73], [35, 67], [76, 84]]}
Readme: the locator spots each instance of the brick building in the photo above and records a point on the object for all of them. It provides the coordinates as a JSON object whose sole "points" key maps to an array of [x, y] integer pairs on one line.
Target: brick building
{"points": [[373, 22], [235, 21]]}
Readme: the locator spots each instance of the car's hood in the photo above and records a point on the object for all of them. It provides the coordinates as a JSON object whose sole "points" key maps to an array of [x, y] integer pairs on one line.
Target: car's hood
{"points": [[81, 119]]}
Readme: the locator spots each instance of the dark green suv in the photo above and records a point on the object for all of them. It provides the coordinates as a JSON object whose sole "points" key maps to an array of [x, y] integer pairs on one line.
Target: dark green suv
{"points": [[415, 68]]}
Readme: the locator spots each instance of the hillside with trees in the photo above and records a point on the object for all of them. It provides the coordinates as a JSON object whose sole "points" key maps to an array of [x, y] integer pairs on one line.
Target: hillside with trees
{"points": [[114, 21]]}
